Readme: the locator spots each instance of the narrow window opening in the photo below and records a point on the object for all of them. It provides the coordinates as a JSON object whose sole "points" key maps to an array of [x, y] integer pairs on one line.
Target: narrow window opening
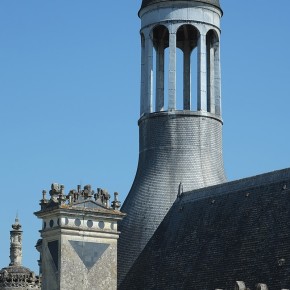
{"points": [[160, 43], [187, 41], [213, 74]]}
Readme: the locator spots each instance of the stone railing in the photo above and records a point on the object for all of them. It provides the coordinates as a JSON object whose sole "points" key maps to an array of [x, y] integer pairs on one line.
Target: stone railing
{"points": [[240, 285]]}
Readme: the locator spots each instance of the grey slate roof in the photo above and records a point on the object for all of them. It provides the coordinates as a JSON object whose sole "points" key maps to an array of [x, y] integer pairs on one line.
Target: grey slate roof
{"points": [[175, 147], [215, 236], [146, 3]]}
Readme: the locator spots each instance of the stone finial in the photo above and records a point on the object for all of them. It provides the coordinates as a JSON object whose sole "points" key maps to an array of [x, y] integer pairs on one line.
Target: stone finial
{"points": [[61, 195], [116, 204], [87, 192], [62, 189], [16, 244], [43, 201], [97, 195], [240, 285], [16, 226], [180, 190], [44, 195], [59, 198], [55, 191], [103, 197], [106, 198], [71, 196]]}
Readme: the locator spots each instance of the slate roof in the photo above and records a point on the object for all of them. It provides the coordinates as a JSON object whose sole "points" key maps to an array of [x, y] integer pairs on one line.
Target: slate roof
{"points": [[217, 235], [146, 3]]}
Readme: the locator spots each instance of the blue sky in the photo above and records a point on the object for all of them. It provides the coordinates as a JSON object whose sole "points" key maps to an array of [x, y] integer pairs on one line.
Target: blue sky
{"points": [[69, 98]]}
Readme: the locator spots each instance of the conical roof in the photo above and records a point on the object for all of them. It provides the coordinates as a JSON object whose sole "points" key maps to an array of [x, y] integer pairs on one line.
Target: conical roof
{"points": [[146, 3]]}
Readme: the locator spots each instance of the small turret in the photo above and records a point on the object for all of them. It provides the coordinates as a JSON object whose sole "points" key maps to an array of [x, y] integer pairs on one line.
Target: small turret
{"points": [[16, 276], [180, 125], [16, 244]]}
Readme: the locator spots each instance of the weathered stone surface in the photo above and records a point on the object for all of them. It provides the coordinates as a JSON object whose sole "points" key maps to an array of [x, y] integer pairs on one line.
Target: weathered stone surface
{"points": [[82, 271], [79, 240], [89, 252]]}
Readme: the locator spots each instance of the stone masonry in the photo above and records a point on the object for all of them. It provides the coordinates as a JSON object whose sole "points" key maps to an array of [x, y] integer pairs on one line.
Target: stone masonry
{"points": [[79, 239]]}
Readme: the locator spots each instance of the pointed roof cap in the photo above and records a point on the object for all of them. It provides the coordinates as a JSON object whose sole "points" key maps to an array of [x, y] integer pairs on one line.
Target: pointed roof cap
{"points": [[146, 3]]}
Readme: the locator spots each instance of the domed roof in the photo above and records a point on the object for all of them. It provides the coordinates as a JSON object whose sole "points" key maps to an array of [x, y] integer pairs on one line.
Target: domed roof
{"points": [[18, 277], [15, 276], [15, 270], [146, 3]]}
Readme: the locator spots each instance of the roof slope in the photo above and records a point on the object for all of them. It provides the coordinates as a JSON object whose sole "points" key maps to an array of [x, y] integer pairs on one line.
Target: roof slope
{"points": [[215, 236]]}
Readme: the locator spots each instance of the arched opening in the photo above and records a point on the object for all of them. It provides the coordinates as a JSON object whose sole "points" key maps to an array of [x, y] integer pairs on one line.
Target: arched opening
{"points": [[160, 37], [187, 41], [213, 73]]}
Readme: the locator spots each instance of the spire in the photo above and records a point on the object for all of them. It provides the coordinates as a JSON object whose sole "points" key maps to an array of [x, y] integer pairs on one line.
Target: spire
{"points": [[16, 244]]}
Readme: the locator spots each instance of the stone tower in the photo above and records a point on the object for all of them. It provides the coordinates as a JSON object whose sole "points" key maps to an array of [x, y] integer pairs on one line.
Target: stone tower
{"points": [[79, 239], [180, 146], [15, 276]]}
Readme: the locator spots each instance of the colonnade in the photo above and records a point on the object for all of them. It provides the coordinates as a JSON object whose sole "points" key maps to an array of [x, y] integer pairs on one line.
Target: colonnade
{"points": [[187, 38]]}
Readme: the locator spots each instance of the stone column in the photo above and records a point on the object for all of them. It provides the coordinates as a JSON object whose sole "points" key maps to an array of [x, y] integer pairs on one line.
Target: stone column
{"points": [[143, 73], [149, 73], [211, 78], [186, 77], [172, 70], [217, 79], [160, 77], [16, 244], [201, 84]]}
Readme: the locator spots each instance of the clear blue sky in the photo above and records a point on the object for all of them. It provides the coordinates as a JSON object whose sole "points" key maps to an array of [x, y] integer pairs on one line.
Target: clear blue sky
{"points": [[69, 98]]}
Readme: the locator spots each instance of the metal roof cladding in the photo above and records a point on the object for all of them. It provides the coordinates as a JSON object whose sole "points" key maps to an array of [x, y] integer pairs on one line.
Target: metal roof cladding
{"points": [[146, 3]]}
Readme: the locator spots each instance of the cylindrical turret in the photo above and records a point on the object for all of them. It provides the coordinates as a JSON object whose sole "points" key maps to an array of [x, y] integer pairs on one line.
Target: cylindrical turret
{"points": [[16, 244], [15, 276], [180, 148]]}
